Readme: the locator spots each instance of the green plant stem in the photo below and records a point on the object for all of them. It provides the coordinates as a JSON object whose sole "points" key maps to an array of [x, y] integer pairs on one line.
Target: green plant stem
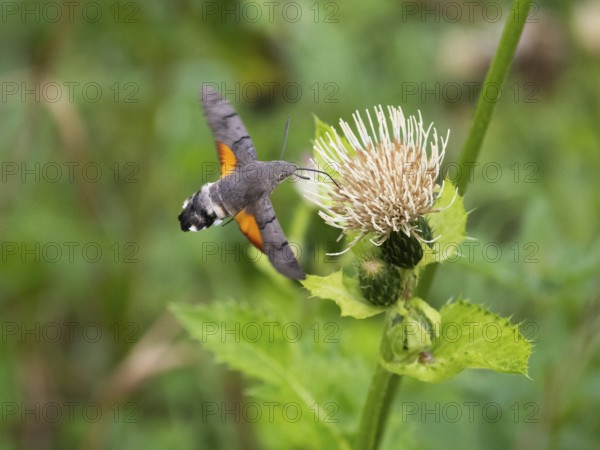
{"points": [[491, 87], [483, 112], [379, 401], [384, 383]]}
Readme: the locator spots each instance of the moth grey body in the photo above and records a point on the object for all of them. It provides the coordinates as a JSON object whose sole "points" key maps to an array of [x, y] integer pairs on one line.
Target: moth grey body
{"points": [[199, 211], [232, 193]]}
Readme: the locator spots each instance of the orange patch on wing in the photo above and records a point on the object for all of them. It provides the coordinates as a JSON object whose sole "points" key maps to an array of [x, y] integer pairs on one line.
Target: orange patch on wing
{"points": [[249, 227], [227, 158]]}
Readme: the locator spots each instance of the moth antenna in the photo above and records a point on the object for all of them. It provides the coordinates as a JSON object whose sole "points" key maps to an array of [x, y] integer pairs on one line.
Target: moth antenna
{"points": [[317, 171], [285, 135]]}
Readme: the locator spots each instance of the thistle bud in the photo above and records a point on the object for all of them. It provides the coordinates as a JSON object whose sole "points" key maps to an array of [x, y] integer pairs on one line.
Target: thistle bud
{"points": [[380, 282], [414, 330], [404, 250]]}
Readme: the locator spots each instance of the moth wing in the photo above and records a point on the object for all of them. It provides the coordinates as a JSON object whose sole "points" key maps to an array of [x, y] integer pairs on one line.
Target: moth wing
{"points": [[260, 225], [234, 145]]}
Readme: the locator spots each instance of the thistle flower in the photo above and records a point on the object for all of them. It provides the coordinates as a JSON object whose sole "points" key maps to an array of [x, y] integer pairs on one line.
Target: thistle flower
{"points": [[385, 182]]}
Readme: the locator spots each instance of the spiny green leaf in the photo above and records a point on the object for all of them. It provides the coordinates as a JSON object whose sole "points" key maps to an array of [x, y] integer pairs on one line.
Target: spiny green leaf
{"points": [[344, 291], [469, 337], [224, 327], [449, 224], [253, 341]]}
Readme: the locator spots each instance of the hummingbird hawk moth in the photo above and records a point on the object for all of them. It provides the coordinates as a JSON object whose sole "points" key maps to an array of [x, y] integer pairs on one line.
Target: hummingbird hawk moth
{"points": [[243, 190]]}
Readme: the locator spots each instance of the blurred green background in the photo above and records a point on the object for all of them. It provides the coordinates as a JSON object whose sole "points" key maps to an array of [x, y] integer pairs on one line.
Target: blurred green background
{"points": [[103, 138]]}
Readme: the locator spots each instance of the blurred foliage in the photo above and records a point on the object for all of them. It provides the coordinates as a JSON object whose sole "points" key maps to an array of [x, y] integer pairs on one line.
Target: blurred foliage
{"points": [[119, 351]]}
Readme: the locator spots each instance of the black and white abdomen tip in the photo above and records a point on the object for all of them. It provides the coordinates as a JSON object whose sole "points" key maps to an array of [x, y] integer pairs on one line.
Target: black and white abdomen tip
{"points": [[196, 214]]}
